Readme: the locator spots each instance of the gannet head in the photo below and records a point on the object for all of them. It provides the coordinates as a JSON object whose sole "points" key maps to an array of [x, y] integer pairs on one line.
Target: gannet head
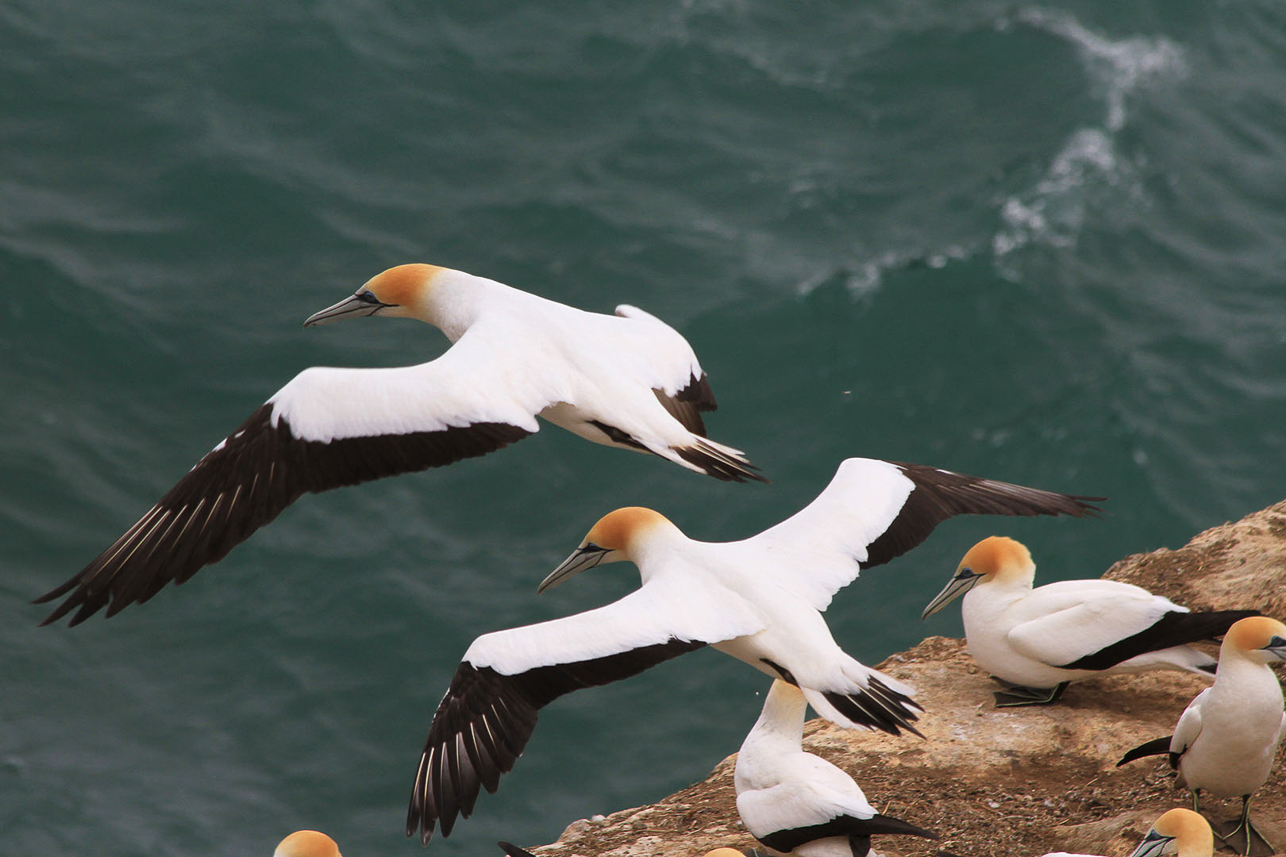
{"points": [[401, 292], [1189, 832], [1258, 638], [996, 558], [725, 852], [615, 537], [307, 843]]}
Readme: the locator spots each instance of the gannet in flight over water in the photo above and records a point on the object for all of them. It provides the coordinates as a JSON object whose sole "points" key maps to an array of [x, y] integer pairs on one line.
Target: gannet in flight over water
{"points": [[1226, 739], [795, 802], [1037, 641], [629, 381], [758, 600], [307, 843]]}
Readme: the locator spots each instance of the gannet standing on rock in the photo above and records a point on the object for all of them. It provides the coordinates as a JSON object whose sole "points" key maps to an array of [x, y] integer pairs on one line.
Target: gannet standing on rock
{"points": [[795, 802], [758, 600], [1037, 641], [1226, 739], [629, 381], [307, 843]]}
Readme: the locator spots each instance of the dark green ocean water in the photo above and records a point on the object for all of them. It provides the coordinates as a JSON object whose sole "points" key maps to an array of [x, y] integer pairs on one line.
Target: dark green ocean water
{"points": [[1039, 242]]}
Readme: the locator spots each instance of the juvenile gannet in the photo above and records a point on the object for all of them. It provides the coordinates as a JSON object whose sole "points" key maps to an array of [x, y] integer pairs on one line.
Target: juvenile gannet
{"points": [[629, 381], [1227, 737], [307, 843], [1037, 641], [758, 600], [795, 802]]}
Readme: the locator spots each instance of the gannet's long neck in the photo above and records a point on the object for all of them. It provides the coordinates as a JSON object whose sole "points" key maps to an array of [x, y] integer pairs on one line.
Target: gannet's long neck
{"points": [[653, 548], [454, 301], [781, 723]]}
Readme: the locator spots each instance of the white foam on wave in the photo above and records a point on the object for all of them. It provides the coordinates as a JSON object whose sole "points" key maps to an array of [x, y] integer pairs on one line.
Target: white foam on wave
{"points": [[1088, 170]]}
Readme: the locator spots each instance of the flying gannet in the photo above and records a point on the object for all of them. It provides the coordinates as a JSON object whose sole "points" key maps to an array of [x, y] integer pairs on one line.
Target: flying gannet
{"points": [[795, 802], [1037, 641], [629, 381], [307, 843], [1226, 739], [758, 600]]}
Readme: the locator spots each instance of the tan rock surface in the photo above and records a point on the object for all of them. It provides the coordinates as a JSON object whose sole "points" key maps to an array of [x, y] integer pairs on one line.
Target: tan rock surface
{"points": [[1017, 781]]}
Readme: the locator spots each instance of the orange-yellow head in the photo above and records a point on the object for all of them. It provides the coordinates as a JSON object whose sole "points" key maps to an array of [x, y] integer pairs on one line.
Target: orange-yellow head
{"points": [[614, 538], [307, 843], [996, 558], [400, 292], [1259, 638]]}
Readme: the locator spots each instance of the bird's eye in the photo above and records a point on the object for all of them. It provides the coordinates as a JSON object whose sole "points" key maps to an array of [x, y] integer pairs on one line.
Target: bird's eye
{"points": [[367, 297]]}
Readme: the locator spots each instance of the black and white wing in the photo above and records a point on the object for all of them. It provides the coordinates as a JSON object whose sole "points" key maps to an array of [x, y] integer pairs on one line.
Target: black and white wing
{"points": [[488, 713], [325, 429], [873, 511]]}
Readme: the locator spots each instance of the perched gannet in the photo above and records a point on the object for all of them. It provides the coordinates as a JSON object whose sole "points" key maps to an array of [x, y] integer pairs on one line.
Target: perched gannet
{"points": [[1227, 737], [307, 843], [1037, 641], [759, 600], [798, 803], [629, 381]]}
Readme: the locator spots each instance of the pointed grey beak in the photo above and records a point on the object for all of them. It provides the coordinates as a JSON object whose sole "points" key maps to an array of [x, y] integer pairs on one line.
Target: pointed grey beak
{"points": [[356, 306], [586, 557], [1152, 845], [1277, 648], [959, 585]]}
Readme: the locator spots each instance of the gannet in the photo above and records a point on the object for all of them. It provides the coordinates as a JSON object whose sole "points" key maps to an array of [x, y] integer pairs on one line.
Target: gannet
{"points": [[1037, 641], [307, 843], [758, 600], [1182, 830], [629, 381], [1227, 737], [795, 802]]}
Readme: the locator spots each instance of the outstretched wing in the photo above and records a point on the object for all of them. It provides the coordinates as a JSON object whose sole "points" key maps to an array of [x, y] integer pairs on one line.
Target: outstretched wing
{"points": [[488, 713], [325, 429], [873, 511]]}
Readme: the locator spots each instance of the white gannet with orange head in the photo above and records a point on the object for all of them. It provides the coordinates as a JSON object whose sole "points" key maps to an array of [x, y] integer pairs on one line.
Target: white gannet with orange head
{"points": [[307, 843], [795, 802], [627, 380], [1226, 739], [1037, 641], [759, 600]]}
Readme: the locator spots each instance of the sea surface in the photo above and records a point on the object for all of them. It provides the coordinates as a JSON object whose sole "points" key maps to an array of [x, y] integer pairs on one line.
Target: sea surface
{"points": [[1042, 242]]}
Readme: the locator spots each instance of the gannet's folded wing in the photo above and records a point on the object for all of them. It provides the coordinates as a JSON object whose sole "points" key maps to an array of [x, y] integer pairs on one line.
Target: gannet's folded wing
{"points": [[792, 814], [325, 429], [873, 511], [488, 713]]}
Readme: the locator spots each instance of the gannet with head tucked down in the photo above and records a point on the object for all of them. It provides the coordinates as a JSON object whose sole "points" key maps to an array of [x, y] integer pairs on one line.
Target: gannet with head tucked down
{"points": [[758, 600], [307, 843], [1037, 641], [1177, 831], [1226, 739], [795, 802], [629, 381]]}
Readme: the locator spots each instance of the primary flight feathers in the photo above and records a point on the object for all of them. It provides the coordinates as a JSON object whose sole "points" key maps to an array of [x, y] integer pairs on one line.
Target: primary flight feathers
{"points": [[758, 600], [629, 381]]}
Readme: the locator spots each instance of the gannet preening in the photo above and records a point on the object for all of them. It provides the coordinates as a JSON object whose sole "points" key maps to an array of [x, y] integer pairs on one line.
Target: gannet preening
{"points": [[1037, 641], [629, 381], [307, 843], [797, 803], [758, 600], [1227, 737]]}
